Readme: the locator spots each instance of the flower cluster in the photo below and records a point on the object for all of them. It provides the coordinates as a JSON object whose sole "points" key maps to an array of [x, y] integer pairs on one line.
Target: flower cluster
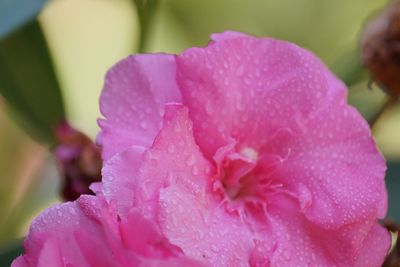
{"points": [[242, 153]]}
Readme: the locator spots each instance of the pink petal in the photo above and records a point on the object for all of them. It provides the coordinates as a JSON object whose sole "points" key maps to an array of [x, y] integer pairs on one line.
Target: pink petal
{"points": [[154, 248], [173, 158], [87, 233], [281, 101], [19, 262], [203, 229], [248, 89], [188, 213], [291, 240], [156, 244], [133, 99], [376, 247], [52, 238], [227, 35], [81, 233], [50, 255], [336, 161], [119, 174], [174, 262]]}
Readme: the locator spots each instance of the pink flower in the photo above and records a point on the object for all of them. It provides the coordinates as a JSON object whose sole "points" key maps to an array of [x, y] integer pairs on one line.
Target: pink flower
{"points": [[243, 153]]}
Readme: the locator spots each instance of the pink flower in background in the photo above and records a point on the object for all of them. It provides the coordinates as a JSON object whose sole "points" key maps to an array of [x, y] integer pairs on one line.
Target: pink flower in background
{"points": [[243, 153]]}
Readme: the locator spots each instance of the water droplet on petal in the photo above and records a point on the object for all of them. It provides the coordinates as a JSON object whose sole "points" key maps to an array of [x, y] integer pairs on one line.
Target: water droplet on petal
{"points": [[191, 160], [240, 70], [209, 108], [195, 170], [214, 248], [171, 148]]}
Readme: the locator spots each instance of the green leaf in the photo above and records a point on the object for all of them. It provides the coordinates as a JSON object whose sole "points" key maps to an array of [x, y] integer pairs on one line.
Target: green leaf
{"points": [[393, 185], [14, 13], [28, 82], [7, 255], [348, 67]]}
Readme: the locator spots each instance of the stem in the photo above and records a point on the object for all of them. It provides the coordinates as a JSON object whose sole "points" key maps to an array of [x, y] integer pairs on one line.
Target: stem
{"points": [[389, 103], [146, 10]]}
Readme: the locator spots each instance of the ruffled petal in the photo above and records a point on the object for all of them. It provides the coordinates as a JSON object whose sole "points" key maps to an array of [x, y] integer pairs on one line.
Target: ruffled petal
{"points": [[88, 233], [203, 229], [281, 101], [290, 239], [178, 196], [119, 177], [378, 241], [55, 238], [173, 158], [133, 99], [249, 88], [227, 35], [334, 167], [19, 262]]}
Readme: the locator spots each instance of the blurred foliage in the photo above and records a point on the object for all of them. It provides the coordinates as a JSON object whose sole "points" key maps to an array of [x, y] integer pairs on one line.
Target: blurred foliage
{"points": [[28, 179], [329, 28], [14, 13], [368, 98], [349, 68], [10, 253], [145, 11], [28, 82], [86, 37], [393, 182]]}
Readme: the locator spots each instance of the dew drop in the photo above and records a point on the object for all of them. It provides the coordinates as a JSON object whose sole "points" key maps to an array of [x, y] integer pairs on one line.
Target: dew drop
{"points": [[239, 105], [240, 70], [143, 124], [214, 248], [191, 160], [288, 237], [195, 170], [209, 108], [171, 148], [177, 128], [208, 65], [226, 81], [287, 255]]}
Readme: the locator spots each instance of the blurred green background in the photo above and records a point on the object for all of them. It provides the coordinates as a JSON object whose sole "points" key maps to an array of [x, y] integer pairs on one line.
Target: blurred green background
{"points": [[86, 37]]}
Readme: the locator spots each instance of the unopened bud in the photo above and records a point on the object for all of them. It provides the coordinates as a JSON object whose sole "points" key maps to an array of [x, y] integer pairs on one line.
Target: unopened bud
{"points": [[393, 259], [380, 44], [79, 159]]}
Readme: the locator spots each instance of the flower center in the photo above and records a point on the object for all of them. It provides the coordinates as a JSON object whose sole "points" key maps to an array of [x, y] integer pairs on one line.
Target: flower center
{"points": [[250, 153], [247, 178], [237, 172]]}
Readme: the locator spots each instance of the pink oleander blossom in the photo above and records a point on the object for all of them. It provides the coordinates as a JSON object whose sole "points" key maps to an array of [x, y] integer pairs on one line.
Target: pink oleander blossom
{"points": [[242, 153]]}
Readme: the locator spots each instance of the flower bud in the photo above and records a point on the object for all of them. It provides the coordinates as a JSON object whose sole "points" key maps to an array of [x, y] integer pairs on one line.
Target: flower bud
{"points": [[380, 45], [393, 259], [79, 159]]}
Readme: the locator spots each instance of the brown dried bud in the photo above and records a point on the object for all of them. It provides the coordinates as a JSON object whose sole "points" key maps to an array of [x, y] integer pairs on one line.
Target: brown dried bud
{"points": [[393, 259], [380, 44], [80, 161]]}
